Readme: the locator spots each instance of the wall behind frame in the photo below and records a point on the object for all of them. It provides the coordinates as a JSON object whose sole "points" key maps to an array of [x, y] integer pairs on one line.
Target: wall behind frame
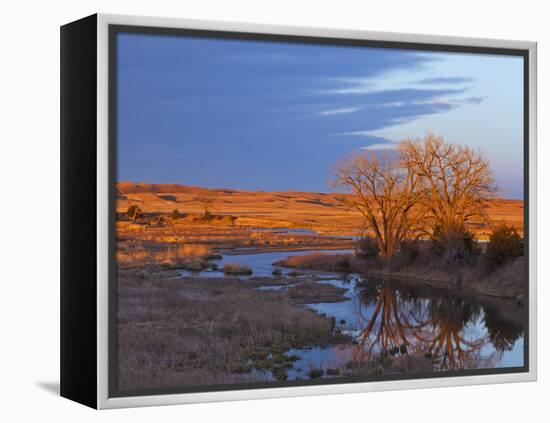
{"points": [[30, 307]]}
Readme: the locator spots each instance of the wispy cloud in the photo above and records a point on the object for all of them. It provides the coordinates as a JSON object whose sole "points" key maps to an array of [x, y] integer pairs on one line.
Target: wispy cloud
{"points": [[340, 111], [393, 79], [455, 102], [386, 146], [445, 80], [352, 85], [364, 133], [436, 101]]}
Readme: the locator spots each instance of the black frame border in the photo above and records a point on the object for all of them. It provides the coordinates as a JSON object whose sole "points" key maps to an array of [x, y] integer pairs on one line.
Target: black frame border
{"points": [[115, 29], [78, 225]]}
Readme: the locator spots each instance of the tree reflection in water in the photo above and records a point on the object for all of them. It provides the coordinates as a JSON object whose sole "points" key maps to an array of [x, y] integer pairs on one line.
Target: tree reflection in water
{"points": [[503, 332], [444, 338], [404, 322], [387, 328]]}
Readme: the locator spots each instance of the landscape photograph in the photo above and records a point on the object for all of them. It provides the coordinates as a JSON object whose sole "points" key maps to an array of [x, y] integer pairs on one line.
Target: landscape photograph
{"points": [[295, 212]]}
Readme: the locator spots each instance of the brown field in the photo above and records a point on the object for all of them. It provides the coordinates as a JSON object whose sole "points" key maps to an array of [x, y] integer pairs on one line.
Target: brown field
{"points": [[320, 212]]}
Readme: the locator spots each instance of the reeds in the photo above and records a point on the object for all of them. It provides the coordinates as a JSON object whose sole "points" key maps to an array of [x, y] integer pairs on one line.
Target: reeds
{"points": [[138, 255]]}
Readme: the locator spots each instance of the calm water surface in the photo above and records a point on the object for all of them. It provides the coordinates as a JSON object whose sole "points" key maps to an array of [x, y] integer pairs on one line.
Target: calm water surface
{"points": [[392, 319]]}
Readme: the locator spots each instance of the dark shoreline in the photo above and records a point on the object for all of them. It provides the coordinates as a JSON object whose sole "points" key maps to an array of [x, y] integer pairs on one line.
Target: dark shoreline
{"points": [[447, 284], [418, 276]]}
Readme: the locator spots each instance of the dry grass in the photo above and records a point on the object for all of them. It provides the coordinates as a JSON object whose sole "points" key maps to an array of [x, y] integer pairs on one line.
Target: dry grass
{"points": [[312, 292], [507, 281], [201, 331], [236, 269], [136, 254], [222, 237], [325, 262], [323, 212], [193, 250]]}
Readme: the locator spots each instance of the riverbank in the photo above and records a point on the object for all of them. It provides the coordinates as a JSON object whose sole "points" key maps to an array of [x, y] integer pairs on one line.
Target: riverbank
{"points": [[506, 282]]}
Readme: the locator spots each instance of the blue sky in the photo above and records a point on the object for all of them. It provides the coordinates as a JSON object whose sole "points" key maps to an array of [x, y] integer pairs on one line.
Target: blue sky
{"points": [[277, 116]]}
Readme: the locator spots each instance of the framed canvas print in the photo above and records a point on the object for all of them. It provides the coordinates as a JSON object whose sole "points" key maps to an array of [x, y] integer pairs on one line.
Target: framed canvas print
{"points": [[253, 211]]}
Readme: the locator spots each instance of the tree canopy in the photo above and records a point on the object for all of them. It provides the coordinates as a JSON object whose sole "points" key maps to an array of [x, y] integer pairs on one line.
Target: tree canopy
{"points": [[423, 184]]}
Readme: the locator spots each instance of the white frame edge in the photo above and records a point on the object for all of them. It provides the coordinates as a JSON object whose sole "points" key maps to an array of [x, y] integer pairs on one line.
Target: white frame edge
{"points": [[103, 400]]}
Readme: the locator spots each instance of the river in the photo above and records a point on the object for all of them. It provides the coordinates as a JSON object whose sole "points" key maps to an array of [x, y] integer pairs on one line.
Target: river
{"points": [[462, 333]]}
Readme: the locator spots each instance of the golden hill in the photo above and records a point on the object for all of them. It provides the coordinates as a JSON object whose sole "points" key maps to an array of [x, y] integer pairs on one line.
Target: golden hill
{"points": [[322, 212]]}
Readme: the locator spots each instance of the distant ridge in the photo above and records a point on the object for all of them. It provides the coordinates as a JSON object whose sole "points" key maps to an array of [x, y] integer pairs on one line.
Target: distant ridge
{"points": [[127, 187], [143, 187], [139, 188]]}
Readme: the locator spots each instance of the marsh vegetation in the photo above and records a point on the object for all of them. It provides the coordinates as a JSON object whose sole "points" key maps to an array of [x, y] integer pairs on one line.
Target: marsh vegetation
{"points": [[416, 266]]}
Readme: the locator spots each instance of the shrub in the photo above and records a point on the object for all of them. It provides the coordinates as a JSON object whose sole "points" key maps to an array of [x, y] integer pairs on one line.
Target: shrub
{"points": [[320, 261], [469, 243], [410, 249], [134, 212], [207, 216], [406, 255], [195, 265], [454, 249], [236, 269], [345, 263], [280, 373], [366, 247], [176, 214], [504, 243], [219, 219], [315, 373], [212, 256], [157, 220], [437, 244]]}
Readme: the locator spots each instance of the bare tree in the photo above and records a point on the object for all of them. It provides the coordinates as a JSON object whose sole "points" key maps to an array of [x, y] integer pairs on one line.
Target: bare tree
{"points": [[456, 182], [384, 192], [207, 199]]}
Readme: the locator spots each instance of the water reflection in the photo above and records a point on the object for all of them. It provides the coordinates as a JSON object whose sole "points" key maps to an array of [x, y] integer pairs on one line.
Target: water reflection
{"points": [[435, 330], [444, 336], [387, 328], [503, 332], [453, 333]]}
